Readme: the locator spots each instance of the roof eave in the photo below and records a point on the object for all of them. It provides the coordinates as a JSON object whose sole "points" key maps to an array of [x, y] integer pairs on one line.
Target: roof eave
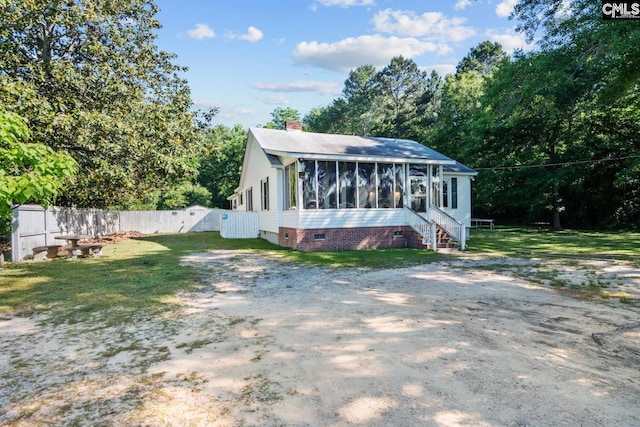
{"points": [[351, 157]]}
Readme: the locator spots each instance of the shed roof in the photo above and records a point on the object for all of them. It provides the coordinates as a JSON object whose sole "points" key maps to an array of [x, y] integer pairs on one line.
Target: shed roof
{"points": [[327, 146]]}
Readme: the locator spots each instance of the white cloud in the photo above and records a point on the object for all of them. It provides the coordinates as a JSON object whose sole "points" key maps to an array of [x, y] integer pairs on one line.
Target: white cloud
{"points": [[510, 41], [345, 3], [252, 35], [274, 100], [504, 8], [462, 4], [442, 69], [433, 25], [202, 31], [323, 88], [353, 52]]}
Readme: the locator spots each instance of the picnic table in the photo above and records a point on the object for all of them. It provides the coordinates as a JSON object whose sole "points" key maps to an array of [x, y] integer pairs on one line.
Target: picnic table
{"points": [[73, 239], [75, 249], [480, 221]]}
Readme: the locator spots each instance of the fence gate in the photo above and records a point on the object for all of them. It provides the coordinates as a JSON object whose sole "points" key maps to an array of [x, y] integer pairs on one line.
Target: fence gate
{"points": [[239, 225]]}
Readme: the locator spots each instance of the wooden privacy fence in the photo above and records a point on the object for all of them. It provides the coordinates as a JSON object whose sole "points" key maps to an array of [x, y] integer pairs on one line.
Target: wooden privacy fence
{"points": [[34, 226]]}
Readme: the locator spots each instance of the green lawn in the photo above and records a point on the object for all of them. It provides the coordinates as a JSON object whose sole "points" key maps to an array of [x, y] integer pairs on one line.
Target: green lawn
{"points": [[141, 275], [589, 244]]}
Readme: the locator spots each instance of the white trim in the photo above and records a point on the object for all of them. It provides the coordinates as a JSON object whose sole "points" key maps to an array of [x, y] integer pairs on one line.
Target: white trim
{"points": [[364, 159]]}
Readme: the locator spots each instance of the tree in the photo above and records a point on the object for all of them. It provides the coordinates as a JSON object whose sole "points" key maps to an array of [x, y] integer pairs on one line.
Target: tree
{"points": [[30, 172], [454, 128], [482, 58], [220, 169], [282, 115], [607, 68], [359, 94], [605, 45], [333, 118], [400, 86], [184, 195], [89, 79]]}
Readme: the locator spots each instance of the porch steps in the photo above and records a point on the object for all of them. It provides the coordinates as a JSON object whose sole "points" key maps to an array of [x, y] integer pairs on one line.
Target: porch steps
{"points": [[443, 240]]}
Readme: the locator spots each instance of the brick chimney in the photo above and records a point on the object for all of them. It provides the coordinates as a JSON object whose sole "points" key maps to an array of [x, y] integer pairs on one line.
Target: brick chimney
{"points": [[291, 125]]}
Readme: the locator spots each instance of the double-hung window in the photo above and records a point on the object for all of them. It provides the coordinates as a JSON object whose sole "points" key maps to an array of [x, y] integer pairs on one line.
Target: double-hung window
{"points": [[249, 199], [290, 187], [450, 193]]}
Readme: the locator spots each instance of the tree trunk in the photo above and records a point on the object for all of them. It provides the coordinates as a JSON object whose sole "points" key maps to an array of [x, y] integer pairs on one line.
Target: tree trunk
{"points": [[556, 225]]}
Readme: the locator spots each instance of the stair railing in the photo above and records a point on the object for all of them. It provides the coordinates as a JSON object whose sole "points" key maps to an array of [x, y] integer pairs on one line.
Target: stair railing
{"points": [[425, 228], [454, 228]]}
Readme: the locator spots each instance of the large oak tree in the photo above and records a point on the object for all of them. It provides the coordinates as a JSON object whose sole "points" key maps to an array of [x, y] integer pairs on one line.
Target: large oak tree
{"points": [[90, 80]]}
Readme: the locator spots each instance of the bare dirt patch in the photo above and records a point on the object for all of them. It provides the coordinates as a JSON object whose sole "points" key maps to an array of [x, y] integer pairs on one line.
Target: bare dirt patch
{"points": [[264, 342]]}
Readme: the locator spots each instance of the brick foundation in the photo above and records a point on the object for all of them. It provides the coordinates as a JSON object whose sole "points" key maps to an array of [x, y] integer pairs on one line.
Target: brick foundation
{"points": [[340, 239]]}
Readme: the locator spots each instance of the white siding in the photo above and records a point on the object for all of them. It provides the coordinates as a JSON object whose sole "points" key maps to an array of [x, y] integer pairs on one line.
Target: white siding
{"points": [[463, 213], [351, 218], [291, 219], [257, 169]]}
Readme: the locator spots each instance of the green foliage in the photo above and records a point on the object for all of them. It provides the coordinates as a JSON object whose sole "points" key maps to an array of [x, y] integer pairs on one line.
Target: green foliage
{"points": [[395, 101], [400, 85], [30, 172], [571, 105], [282, 115], [482, 58], [220, 169], [553, 133], [184, 195], [90, 80]]}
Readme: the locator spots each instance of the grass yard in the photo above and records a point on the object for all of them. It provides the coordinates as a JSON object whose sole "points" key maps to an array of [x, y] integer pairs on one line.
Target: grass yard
{"points": [[143, 274], [569, 243]]}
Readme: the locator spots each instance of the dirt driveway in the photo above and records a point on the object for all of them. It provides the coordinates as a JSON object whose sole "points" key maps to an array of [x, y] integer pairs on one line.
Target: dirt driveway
{"points": [[266, 343]]}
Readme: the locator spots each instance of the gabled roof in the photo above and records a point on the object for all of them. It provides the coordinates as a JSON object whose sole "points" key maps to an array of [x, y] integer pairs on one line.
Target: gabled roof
{"points": [[308, 145]]}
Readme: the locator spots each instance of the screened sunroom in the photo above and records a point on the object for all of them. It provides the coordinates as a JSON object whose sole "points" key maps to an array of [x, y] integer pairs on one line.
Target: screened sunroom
{"points": [[330, 192]]}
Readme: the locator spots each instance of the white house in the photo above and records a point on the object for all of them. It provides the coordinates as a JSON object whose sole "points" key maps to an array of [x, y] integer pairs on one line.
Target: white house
{"points": [[317, 191]]}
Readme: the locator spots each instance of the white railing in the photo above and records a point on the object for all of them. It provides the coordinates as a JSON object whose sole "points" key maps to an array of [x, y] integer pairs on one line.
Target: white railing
{"points": [[425, 228], [449, 224]]}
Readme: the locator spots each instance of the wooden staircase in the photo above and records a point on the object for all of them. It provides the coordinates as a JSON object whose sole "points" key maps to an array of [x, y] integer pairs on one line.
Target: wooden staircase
{"points": [[445, 231], [444, 240]]}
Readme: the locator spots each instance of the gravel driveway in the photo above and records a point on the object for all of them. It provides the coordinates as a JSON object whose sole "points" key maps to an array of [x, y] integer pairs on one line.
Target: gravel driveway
{"points": [[263, 342]]}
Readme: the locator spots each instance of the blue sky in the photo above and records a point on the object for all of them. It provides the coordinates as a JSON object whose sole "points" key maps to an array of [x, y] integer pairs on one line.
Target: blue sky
{"points": [[248, 57]]}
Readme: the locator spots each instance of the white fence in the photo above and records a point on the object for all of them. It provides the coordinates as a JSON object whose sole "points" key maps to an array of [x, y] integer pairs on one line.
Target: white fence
{"points": [[239, 225], [34, 226]]}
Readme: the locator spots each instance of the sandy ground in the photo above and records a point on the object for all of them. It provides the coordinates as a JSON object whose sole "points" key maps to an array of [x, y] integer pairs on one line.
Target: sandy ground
{"points": [[266, 343]]}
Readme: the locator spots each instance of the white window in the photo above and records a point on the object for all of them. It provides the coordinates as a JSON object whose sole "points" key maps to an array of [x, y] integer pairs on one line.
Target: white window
{"points": [[450, 193], [290, 186], [249, 199]]}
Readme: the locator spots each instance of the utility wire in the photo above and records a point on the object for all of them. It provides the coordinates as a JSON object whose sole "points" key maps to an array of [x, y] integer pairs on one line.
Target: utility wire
{"points": [[547, 165]]}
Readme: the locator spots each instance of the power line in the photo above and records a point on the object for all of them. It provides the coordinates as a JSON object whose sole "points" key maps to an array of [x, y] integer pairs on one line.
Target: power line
{"points": [[547, 165]]}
